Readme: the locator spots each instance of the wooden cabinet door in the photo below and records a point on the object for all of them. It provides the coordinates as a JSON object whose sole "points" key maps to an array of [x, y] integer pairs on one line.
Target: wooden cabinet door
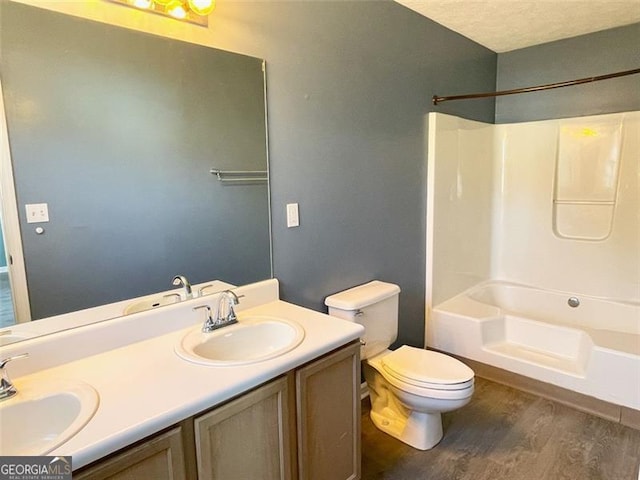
{"points": [[248, 438], [328, 416], [159, 458]]}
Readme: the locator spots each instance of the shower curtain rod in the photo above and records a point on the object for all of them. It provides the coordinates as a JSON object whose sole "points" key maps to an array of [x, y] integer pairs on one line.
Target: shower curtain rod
{"points": [[436, 99]]}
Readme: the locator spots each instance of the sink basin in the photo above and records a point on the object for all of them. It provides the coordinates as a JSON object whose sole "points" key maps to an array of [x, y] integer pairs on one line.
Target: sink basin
{"points": [[152, 303], [252, 339], [42, 417]]}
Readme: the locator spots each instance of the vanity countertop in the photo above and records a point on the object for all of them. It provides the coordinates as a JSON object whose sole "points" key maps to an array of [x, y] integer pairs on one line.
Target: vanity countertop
{"points": [[145, 387]]}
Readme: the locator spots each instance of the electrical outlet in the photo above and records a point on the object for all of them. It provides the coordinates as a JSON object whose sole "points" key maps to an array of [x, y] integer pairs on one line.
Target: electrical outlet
{"points": [[37, 212]]}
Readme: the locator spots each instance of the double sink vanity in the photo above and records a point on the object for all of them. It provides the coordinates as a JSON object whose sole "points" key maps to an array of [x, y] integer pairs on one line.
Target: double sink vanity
{"points": [[275, 395]]}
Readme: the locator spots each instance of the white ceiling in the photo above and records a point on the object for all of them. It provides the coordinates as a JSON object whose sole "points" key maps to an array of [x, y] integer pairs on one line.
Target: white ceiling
{"points": [[505, 25]]}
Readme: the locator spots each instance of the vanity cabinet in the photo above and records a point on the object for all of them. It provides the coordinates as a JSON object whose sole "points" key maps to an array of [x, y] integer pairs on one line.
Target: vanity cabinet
{"points": [[248, 437], [303, 425], [158, 458], [328, 416]]}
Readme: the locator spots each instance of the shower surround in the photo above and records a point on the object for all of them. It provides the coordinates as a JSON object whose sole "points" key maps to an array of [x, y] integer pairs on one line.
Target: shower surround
{"points": [[533, 249]]}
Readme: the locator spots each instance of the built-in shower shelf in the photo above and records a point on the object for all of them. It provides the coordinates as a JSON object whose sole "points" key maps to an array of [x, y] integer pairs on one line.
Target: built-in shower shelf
{"points": [[526, 354], [586, 178], [584, 202]]}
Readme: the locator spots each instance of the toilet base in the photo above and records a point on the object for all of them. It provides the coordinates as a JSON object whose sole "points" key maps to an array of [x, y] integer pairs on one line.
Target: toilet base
{"points": [[419, 430]]}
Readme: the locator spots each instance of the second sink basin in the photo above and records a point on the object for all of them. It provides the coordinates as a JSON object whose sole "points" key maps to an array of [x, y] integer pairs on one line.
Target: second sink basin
{"points": [[151, 303], [39, 418], [253, 339]]}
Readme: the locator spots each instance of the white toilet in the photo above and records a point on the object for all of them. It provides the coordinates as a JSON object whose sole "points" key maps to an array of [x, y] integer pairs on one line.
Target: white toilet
{"points": [[409, 387]]}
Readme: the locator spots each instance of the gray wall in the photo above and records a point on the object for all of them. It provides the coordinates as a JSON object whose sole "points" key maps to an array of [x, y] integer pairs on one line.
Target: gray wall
{"points": [[349, 88], [585, 56]]}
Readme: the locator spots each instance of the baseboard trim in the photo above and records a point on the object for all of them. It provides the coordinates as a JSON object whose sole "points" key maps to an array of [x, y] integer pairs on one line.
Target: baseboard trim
{"points": [[630, 418], [610, 411]]}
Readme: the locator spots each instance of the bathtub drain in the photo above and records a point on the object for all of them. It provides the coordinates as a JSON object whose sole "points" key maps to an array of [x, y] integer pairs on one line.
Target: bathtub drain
{"points": [[573, 302]]}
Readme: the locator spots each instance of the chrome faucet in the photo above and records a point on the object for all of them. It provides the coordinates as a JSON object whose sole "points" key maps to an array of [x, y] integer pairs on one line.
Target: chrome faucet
{"points": [[230, 299], [7, 389], [224, 313], [182, 280]]}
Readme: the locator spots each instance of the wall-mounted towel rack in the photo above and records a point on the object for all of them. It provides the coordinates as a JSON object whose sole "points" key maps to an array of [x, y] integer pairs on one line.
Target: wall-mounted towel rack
{"points": [[240, 176], [436, 99]]}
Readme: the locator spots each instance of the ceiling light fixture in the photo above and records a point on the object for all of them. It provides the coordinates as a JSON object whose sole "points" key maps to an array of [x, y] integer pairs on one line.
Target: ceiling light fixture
{"points": [[194, 11]]}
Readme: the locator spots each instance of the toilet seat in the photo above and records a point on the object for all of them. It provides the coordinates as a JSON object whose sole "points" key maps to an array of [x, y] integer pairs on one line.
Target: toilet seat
{"points": [[426, 369]]}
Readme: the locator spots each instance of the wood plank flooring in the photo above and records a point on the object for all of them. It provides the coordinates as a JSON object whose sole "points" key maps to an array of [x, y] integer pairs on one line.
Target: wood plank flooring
{"points": [[6, 304], [506, 434]]}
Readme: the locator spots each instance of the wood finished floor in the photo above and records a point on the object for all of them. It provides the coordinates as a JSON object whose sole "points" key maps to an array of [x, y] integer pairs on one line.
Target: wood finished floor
{"points": [[506, 434], [6, 304]]}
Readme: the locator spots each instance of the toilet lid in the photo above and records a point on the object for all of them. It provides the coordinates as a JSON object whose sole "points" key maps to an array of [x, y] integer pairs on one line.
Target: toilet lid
{"points": [[427, 368]]}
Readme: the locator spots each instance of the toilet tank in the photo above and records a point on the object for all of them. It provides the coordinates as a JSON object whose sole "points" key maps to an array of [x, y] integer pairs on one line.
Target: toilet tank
{"points": [[373, 305]]}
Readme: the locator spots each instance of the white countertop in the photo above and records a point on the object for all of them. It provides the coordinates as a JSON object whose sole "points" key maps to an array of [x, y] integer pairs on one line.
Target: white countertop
{"points": [[145, 387]]}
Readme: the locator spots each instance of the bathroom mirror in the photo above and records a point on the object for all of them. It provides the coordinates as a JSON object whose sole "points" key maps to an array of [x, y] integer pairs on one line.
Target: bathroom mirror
{"points": [[116, 131]]}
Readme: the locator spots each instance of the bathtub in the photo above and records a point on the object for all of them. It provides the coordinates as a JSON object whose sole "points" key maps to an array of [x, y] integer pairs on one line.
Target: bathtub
{"points": [[586, 344]]}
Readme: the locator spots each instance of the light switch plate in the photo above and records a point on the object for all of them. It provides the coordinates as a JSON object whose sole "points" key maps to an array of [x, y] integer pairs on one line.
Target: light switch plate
{"points": [[293, 218], [37, 212]]}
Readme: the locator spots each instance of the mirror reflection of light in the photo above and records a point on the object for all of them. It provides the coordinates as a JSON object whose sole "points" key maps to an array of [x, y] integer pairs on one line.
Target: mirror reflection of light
{"points": [[145, 4], [589, 132], [194, 11], [581, 132], [176, 9], [202, 7]]}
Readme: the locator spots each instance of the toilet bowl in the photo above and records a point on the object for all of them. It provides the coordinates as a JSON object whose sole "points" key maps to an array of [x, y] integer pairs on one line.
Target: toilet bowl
{"points": [[410, 408], [410, 387]]}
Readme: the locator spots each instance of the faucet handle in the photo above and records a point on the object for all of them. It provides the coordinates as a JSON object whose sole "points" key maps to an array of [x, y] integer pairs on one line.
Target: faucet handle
{"points": [[4, 361], [203, 288], [235, 299], [7, 389], [209, 323]]}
